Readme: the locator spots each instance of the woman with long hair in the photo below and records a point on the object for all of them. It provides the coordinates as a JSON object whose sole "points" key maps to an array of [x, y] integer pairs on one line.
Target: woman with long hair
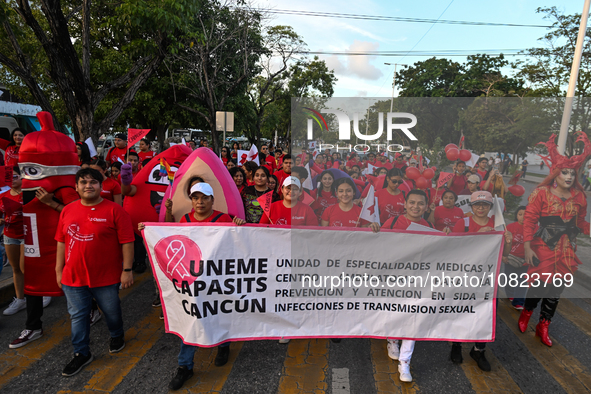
{"points": [[559, 205], [391, 199], [239, 177], [444, 217], [249, 168], [345, 213], [234, 153], [273, 183], [83, 153], [16, 139], [145, 152], [250, 194], [225, 155], [323, 196]]}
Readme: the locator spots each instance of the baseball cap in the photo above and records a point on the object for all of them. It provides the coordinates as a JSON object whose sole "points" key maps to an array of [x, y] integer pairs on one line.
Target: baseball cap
{"points": [[202, 188], [474, 179], [481, 196], [121, 136], [290, 180]]}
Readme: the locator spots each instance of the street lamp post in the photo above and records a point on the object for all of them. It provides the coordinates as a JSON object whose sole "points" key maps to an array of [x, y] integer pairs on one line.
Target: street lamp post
{"points": [[393, 82]]}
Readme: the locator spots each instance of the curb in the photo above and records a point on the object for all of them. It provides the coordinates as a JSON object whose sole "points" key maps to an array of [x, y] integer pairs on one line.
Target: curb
{"points": [[7, 292]]}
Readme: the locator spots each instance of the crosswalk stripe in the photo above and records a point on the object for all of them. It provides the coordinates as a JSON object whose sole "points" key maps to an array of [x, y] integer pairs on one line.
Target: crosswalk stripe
{"points": [[558, 362], [305, 367], [111, 369], [14, 362], [498, 379], [208, 378], [576, 315], [386, 371]]}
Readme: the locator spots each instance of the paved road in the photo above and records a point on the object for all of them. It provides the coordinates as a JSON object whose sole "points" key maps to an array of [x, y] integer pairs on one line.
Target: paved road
{"points": [[520, 362]]}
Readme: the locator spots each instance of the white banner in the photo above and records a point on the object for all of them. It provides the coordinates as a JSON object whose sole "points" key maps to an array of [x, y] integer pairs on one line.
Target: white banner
{"points": [[224, 282]]}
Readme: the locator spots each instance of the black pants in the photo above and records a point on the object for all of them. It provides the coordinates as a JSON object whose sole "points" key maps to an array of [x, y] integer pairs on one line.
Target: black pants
{"points": [[549, 297], [139, 250], [34, 312]]}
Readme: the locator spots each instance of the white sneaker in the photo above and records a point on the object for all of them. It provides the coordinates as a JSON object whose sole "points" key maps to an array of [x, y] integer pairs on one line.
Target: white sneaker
{"points": [[284, 340], [95, 315], [16, 305], [393, 350], [404, 370], [46, 301]]}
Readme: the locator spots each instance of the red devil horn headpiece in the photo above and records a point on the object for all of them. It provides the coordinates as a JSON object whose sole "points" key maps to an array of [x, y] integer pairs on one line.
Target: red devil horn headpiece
{"points": [[45, 120], [555, 160]]}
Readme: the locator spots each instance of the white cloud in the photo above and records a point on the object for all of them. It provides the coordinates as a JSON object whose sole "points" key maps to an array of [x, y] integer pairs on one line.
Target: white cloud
{"points": [[359, 66]]}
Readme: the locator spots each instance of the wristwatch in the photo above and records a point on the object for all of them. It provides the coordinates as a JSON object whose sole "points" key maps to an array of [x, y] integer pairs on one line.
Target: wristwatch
{"points": [[127, 269]]}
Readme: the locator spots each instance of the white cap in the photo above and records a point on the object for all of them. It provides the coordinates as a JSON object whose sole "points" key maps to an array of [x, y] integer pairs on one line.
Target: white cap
{"points": [[202, 188], [291, 180]]}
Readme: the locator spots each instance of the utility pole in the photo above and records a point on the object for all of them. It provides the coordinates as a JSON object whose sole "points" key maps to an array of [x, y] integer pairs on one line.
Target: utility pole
{"points": [[393, 82], [572, 84]]}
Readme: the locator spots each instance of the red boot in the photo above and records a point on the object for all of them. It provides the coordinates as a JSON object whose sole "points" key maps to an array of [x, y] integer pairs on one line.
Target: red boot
{"points": [[524, 319], [542, 332]]}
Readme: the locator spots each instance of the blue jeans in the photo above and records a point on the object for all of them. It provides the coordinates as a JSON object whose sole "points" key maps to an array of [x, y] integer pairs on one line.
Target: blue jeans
{"points": [[79, 305], [188, 352]]}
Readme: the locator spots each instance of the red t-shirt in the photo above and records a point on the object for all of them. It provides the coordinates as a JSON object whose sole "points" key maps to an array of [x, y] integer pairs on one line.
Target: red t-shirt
{"points": [[223, 218], [389, 205], [458, 183], [400, 166], [336, 217], [13, 227], [303, 215], [145, 155], [93, 237], [387, 165], [447, 217], [473, 227], [517, 248], [116, 153], [325, 200], [402, 223], [482, 174], [11, 156], [299, 215], [110, 189], [279, 215]]}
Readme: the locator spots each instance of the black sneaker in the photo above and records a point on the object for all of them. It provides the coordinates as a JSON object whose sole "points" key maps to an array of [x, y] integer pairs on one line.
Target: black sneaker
{"points": [[182, 375], [456, 353], [78, 362], [335, 340], [139, 267], [117, 344], [478, 356], [222, 356], [157, 303]]}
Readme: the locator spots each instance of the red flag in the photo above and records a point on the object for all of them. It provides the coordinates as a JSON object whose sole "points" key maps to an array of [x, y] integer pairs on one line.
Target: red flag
{"points": [[4, 143], [134, 135], [10, 206], [265, 200], [444, 177], [307, 199], [516, 177]]}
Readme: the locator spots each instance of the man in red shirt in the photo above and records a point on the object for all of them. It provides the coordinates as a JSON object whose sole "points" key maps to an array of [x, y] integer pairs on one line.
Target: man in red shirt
{"points": [[290, 211], [384, 162], [416, 204], [94, 236], [400, 163], [285, 170], [119, 150], [481, 167], [459, 181]]}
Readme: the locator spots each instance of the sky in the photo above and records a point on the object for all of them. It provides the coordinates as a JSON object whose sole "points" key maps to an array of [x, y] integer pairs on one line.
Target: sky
{"points": [[368, 76]]}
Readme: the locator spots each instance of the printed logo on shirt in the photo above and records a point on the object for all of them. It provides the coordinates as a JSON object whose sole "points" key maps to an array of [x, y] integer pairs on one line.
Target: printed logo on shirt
{"points": [[281, 222], [75, 236], [99, 220]]}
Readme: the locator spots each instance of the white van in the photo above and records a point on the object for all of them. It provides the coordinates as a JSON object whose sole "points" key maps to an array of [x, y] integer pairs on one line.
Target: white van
{"points": [[7, 124]]}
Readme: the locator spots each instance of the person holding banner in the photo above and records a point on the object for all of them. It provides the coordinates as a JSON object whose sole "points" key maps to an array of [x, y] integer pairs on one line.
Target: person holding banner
{"points": [[290, 211], [559, 205], [444, 217], [345, 213], [119, 151], [323, 195], [391, 199], [481, 203], [250, 194]]}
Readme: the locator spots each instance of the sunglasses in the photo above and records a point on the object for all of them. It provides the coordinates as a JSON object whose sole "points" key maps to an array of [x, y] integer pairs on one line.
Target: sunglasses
{"points": [[400, 182]]}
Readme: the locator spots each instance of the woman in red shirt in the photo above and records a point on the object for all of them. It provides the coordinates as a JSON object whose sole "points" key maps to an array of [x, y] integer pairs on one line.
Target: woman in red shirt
{"points": [[559, 205], [391, 199], [11, 152], [323, 194], [345, 213], [145, 152], [514, 264], [249, 168], [239, 177], [11, 205], [116, 172], [234, 152], [111, 190], [444, 217], [225, 155]]}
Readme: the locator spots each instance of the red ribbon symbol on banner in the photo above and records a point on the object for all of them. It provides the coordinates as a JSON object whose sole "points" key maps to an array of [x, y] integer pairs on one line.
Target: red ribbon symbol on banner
{"points": [[175, 254], [243, 158]]}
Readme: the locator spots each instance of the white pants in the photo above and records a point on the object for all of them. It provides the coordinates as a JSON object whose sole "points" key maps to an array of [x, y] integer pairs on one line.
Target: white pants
{"points": [[406, 349]]}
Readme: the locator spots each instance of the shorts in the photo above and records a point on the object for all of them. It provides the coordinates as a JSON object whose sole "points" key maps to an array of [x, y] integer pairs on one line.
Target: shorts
{"points": [[13, 241]]}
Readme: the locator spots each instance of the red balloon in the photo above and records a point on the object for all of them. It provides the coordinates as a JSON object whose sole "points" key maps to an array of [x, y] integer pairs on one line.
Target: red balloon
{"points": [[428, 173], [449, 146], [465, 155], [517, 190], [422, 183], [412, 173], [452, 154], [434, 168]]}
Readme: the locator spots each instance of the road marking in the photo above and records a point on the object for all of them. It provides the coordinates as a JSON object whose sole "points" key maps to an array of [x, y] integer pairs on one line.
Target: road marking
{"points": [[340, 381], [208, 378], [111, 369], [386, 373], [305, 367], [558, 362], [497, 380], [14, 362], [576, 315]]}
